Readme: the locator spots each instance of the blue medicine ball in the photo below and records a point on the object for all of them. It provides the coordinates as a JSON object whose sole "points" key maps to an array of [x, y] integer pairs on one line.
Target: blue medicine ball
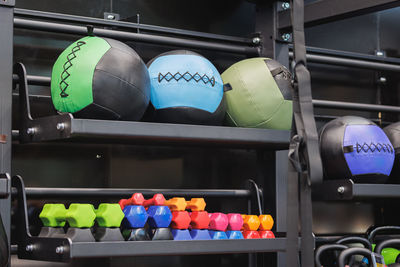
{"points": [[356, 148], [186, 88]]}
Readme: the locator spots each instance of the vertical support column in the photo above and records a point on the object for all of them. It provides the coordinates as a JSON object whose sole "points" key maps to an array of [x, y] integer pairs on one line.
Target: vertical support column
{"points": [[265, 27], [6, 66], [281, 165]]}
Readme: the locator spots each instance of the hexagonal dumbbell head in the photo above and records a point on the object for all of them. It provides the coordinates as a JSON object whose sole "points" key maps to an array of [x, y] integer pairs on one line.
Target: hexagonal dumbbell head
{"points": [[218, 221], [156, 200], [81, 215], [266, 222], [53, 215], [251, 223], [180, 220], [135, 216], [109, 215], [136, 199], [266, 234], [196, 204], [235, 221], [251, 234], [159, 216], [199, 219], [176, 204]]}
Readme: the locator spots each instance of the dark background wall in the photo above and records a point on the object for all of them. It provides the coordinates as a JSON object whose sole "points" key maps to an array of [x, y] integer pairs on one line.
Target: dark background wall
{"points": [[69, 165]]}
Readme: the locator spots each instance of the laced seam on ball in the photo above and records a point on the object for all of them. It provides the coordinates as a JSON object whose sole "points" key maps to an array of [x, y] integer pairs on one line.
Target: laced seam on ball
{"points": [[187, 77], [68, 64], [374, 147]]}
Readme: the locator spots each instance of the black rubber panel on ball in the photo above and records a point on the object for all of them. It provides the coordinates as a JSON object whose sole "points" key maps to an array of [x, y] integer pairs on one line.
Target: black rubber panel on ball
{"points": [[189, 115], [120, 72], [331, 146], [282, 77]]}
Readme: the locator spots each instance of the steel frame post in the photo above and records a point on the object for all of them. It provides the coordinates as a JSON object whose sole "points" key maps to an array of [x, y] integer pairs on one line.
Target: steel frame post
{"points": [[6, 68]]}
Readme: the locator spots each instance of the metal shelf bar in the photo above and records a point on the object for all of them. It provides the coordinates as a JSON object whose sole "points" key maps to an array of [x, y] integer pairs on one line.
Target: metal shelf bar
{"points": [[131, 36], [348, 190], [160, 248], [34, 80], [348, 54], [43, 192], [35, 14], [349, 62], [354, 106]]}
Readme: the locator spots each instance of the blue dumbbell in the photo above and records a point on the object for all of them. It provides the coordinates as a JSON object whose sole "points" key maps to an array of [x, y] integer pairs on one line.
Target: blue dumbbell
{"points": [[218, 235], [200, 234], [234, 235], [179, 234]]}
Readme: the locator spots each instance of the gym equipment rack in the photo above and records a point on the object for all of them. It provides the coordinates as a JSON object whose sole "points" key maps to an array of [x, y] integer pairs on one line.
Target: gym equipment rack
{"points": [[271, 21]]}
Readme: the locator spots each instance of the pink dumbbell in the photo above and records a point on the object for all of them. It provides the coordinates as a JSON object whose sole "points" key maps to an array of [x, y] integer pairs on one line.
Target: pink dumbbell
{"points": [[235, 221], [218, 221]]}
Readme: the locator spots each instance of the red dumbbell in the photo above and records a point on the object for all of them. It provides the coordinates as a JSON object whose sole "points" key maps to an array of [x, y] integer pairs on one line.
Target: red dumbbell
{"points": [[136, 199], [199, 219], [251, 234], [156, 200], [180, 220], [266, 234]]}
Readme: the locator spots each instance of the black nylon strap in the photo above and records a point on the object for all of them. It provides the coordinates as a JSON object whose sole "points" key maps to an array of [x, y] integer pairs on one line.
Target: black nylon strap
{"points": [[307, 159]]}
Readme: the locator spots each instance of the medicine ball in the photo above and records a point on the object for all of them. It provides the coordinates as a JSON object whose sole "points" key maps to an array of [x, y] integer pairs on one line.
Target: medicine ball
{"points": [[393, 133], [100, 78], [356, 148], [260, 95], [186, 88]]}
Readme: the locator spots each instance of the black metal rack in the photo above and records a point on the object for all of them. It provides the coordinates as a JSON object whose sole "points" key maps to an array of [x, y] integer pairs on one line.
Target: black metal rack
{"points": [[348, 190], [67, 128]]}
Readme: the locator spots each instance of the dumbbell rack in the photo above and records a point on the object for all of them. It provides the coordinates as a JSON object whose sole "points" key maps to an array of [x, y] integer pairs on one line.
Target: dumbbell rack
{"points": [[62, 249], [65, 128]]}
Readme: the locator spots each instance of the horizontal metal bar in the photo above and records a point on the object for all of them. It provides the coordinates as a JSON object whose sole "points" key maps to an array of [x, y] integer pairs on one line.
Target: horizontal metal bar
{"points": [[324, 11], [347, 190], [376, 191], [131, 36], [161, 248], [354, 106], [18, 12], [35, 80], [45, 192], [364, 64], [348, 54], [316, 102]]}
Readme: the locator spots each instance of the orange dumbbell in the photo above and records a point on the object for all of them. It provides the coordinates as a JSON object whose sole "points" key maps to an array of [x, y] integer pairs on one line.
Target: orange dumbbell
{"points": [[266, 222], [176, 204], [196, 204], [251, 223]]}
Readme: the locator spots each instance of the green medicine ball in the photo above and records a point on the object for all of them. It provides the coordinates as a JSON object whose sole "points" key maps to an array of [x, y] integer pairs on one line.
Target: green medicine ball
{"points": [[260, 95], [100, 78]]}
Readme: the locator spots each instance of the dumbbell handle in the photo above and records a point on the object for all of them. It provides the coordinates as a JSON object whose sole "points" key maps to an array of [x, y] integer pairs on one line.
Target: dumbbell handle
{"points": [[151, 201]]}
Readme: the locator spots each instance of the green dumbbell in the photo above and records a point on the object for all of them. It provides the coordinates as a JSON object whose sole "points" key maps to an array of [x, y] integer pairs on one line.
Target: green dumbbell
{"points": [[80, 218], [53, 219], [109, 218], [389, 254]]}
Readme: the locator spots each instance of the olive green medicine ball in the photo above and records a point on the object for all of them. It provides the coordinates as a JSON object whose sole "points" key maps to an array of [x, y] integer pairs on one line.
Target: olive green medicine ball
{"points": [[100, 78], [260, 95]]}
